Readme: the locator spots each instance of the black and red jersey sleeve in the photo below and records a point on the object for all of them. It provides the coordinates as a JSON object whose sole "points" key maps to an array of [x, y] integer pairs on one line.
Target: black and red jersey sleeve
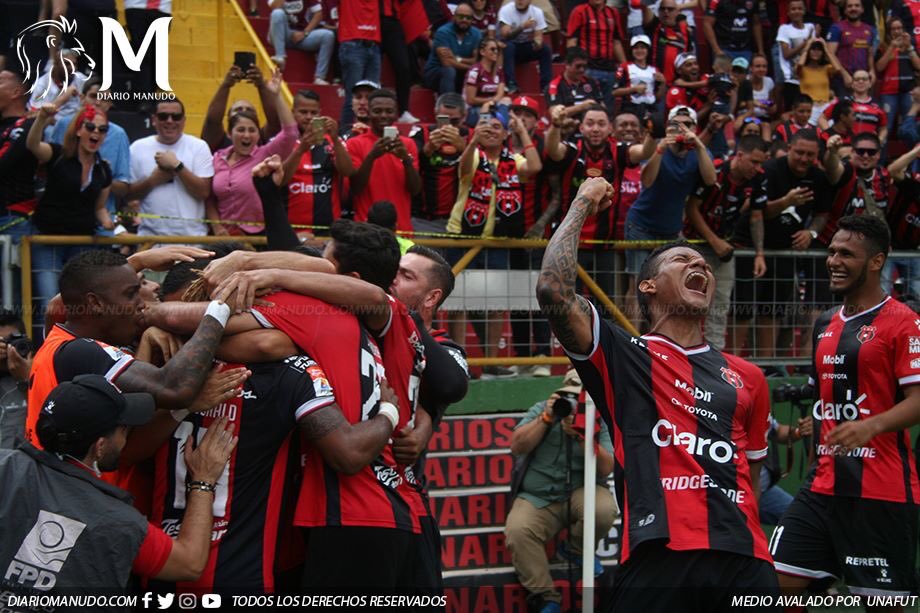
{"points": [[907, 352], [758, 422], [85, 356], [312, 390]]}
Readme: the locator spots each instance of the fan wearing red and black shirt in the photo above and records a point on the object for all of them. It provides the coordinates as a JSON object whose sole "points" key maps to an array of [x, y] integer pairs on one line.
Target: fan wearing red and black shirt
{"points": [[714, 213], [440, 147], [595, 155], [855, 518], [904, 220], [572, 89], [863, 185], [670, 36], [595, 28], [688, 423], [313, 170], [17, 163], [798, 119], [868, 115]]}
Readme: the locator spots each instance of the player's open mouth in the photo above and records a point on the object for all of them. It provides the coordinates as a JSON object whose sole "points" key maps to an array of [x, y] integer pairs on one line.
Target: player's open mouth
{"points": [[697, 282]]}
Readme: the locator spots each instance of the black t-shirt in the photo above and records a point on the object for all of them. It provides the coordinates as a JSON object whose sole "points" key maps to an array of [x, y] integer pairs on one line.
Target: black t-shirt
{"points": [[778, 231], [17, 164], [734, 23], [67, 207]]}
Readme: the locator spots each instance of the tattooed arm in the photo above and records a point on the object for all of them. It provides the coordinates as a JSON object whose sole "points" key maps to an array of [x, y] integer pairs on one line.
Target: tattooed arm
{"points": [[569, 314], [175, 385]]}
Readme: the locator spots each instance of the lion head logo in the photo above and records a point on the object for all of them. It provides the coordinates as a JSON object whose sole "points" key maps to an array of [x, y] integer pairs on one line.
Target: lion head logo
{"points": [[53, 48]]}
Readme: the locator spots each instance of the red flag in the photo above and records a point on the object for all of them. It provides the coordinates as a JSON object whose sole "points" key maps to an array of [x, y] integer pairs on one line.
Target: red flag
{"points": [[413, 18]]}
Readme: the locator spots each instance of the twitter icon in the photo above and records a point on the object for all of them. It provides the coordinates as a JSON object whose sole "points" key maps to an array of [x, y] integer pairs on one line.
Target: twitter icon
{"points": [[164, 602]]}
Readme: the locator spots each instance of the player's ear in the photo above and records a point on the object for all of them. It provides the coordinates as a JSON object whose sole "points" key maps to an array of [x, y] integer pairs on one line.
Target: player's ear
{"points": [[647, 286], [877, 262]]}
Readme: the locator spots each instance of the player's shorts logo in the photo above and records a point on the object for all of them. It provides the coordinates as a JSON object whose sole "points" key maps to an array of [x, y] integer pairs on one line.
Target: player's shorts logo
{"points": [[732, 378], [865, 334]]}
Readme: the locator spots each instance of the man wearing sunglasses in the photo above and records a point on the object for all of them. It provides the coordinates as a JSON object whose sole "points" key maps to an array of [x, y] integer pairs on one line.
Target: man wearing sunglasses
{"points": [[171, 174]]}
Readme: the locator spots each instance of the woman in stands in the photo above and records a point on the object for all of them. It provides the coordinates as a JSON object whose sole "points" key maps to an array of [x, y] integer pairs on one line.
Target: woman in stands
{"points": [[896, 63], [485, 83], [484, 15], [76, 188], [234, 200]]}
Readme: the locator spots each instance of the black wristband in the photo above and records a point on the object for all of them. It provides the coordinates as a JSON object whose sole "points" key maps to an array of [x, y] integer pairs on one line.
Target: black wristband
{"points": [[179, 167], [201, 485]]}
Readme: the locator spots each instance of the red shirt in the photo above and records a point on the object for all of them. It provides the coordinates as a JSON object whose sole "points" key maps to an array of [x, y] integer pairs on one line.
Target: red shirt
{"points": [[862, 366], [869, 116], [359, 20], [154, 551], [387, 181], [377, 496]]}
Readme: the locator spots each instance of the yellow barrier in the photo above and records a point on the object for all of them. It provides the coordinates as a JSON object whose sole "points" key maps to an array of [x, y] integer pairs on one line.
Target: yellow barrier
{"points": [[474, 245]]}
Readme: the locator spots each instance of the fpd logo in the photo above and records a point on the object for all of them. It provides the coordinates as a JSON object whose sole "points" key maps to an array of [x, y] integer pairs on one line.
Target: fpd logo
{"points": [[865, 334]]}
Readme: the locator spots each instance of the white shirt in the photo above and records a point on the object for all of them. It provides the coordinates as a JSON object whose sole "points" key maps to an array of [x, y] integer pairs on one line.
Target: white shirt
{"points": [[642, 75], [509, 15], [172, 199], [45, 82], [634, 17], [164, 6], [762, 95], [792, 36]]}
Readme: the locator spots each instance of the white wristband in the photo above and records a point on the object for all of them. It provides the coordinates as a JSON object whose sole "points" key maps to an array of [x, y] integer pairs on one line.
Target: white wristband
{"points": [[389, 410], [219, 311], [179, 415]]}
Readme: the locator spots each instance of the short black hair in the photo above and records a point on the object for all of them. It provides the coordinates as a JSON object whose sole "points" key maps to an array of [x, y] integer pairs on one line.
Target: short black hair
{"points": [[441, 275], [11, 318], [156, 105], [82, 273], [596, 106], [74, 444], [802, 99], [649, 270], [381, 93], [307, 94], [366, 249], [874, 232], [869, 136], [840, 109], [777, 146], [450, 100], [751, 143], [808, 134], [180, 276], [383, 213], [91, 83], [575, 53]]}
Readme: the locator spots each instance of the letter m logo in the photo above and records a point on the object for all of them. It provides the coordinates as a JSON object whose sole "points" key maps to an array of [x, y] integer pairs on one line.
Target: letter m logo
{"points": [[158, 30]]}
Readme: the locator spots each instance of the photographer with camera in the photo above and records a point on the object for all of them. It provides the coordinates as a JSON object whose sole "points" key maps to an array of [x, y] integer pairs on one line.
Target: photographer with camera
{"points": [[548, 492], [15, 363]]}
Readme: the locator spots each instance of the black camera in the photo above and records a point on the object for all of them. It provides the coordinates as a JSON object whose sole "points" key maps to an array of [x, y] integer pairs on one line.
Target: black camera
{"points": [[722, 84], [793, 393], [565, 405], [21, 342]]}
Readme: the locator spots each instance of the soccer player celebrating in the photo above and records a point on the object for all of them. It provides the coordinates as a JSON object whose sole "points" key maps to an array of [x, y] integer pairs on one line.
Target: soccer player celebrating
{"points": [[855, 518], [689, 426]]}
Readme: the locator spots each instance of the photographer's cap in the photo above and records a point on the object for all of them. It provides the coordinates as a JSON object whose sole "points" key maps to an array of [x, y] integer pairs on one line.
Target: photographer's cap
{"points": [[90, 405], [682, 59], [682, 109], [571, 384]]}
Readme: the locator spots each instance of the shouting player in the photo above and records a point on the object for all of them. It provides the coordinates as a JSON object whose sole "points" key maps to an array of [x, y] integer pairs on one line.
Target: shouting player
{"points": [[689, 426], [855, 518]]}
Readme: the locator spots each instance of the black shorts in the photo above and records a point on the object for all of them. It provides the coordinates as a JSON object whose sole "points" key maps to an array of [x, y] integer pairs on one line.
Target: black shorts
{"points": [[870, 544], [656, 579]]}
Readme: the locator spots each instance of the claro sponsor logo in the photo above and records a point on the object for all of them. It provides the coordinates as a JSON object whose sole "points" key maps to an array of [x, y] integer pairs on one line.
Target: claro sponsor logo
{"points": [[840, 411], [665, 434]]}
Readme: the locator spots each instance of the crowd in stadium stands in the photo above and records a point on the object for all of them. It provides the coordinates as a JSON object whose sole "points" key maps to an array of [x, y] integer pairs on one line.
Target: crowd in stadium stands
{"points": [[745, 125]]}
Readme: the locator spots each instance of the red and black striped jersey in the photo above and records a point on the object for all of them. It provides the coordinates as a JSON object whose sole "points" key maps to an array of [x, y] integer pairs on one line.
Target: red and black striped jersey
{"points": [[908, 11], [861, 366], [17, 165], [904, 213], [721, 203], [440, 181], [404, 362], [253, 505], [376, 495], [850, 198], [536, 190], [686, 422], [898, 76], [630, 188], [869, 117], [580, 164], [785, 130], [596, 31], [667, 43], [314, 190], [560, 91]]}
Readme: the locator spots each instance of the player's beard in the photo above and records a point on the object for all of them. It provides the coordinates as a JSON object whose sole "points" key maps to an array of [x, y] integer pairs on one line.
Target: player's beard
{"points": [[855, 285]]}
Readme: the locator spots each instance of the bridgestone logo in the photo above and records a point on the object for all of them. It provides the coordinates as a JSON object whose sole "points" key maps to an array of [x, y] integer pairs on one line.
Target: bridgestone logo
{"points": [[665, 434]]}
